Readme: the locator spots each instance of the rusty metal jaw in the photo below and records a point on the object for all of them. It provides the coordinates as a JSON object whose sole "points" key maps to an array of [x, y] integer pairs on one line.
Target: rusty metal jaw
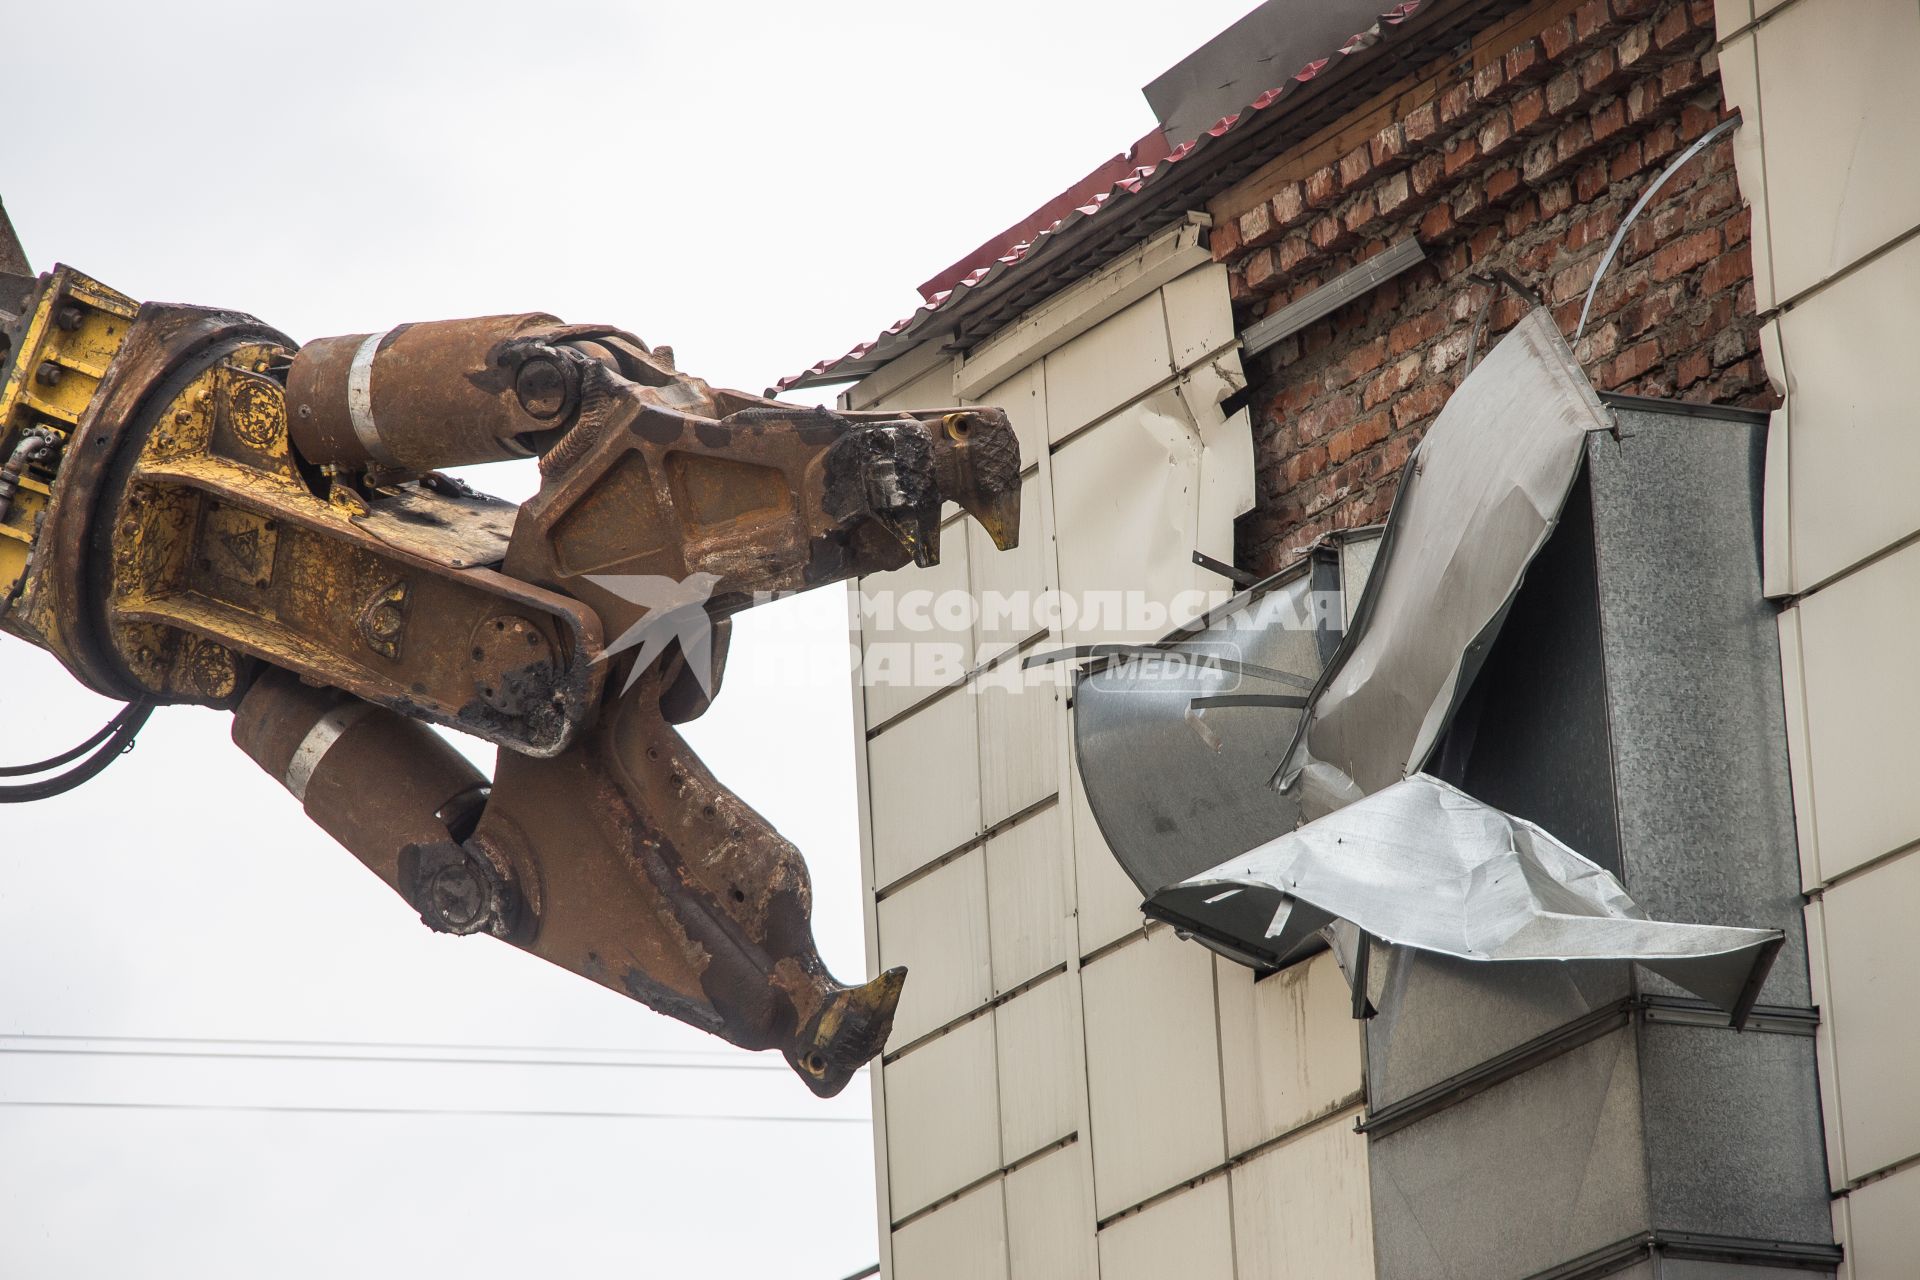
{"points": [[622, 860], [674, 478], [656, 881], [342, 594]]}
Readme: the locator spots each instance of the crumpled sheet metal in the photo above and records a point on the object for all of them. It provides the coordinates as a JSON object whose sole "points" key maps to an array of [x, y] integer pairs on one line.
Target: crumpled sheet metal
{"points": [[1399, 854], [1175, 781], [1175, 790], [1476, 503], [1425, 865]]}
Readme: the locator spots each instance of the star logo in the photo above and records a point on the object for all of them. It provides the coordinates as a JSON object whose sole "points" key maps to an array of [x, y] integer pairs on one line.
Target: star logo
{"points": [[676, 610]]}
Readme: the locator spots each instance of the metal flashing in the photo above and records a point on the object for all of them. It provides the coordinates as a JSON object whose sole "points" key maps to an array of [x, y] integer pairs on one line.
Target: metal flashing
{"points": [[1348, 286], [1461, 1085], [1477, 501], [1696, 1246], [1424, 865], [1684, 408]]}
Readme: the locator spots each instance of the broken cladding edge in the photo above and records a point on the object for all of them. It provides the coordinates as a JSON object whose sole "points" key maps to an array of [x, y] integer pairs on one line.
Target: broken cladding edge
{"points": [[1517, 425]]}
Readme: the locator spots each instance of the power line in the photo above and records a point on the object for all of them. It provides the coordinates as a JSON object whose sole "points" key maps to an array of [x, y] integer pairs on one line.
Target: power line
{"points": [[423, 1053], [206, 1054], [264, 1108], [438, 1046]]}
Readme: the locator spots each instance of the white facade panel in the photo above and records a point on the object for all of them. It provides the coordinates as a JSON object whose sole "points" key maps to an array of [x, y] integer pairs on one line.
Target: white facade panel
{"points": [[1002, 1088], [1290, 1049], [1302, 1211], [1842, 1232], [1868, 925], [937, 927], [1022, 713], [930, 390], [1794, 695], [943, 1122], [1819, 990], [1029, 898], [1884, 1227], [905, 656], [1126, 513], [1740, 83], [1825, 158], [1840, 119], [1841, 344], [1730, 15], [1107, 902], [1199, 314], [923, 796], [1189, 1236], [1042, 1085], [1050, 1218], [1107, 366], [965, 1240], [1863, 711], [1007, 585], [1153, 1069]]}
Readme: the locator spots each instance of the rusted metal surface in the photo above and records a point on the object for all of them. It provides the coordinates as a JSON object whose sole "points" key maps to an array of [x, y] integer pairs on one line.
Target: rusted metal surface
{"points": [[439, 518], [417, 396], [242, 523], [667, 476], [658, 882]]}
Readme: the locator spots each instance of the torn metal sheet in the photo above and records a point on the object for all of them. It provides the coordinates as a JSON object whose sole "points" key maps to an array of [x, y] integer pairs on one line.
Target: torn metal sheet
{"points": [[1476, 504], [1176, 741], [1424, 865]]}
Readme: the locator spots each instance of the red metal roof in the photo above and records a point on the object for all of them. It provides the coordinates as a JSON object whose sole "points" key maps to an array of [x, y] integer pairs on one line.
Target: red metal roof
{"points": [[1099, 190], [1144, 154]]}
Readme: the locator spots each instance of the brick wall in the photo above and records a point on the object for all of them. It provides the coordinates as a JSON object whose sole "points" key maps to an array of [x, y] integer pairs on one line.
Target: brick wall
{"points": [[1523, 155]]}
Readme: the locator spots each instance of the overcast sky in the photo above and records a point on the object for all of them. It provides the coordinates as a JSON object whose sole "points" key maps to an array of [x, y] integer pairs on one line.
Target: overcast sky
{"points": [[759, 185]]}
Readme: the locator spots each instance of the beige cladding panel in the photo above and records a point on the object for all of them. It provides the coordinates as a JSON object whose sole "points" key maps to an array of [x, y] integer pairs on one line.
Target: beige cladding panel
{"points": [[1868, 930], [1029, 900], [965, 1240], [1107, 902], [937, 927], [1740, 87], [1102, 369], [1050, 1218], [1126, 511], [1883, 1228], [1008, 585], [1188, 1236], [943, 1121], [1862, 712], [905, 654], [1153, 1069], [1122, 1058], [931, 390], [1302, 1210], [923, 782], [1840, 118], [1022, 713], [1840, 346], [1290, 1048], [1199, 314], [1042, 1086]]}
